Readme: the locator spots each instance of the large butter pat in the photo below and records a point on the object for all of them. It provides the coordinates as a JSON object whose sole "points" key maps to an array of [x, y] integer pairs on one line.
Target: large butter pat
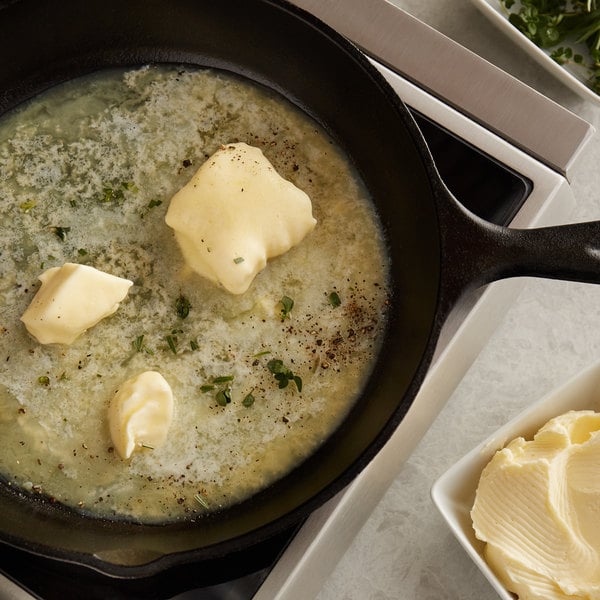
{"points": [[71, 299], [235, 214], [537, 508], [140, 413]]}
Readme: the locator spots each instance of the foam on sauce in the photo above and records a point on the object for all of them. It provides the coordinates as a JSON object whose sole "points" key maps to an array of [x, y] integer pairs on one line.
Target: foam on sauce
{"points": [[86, 172]]}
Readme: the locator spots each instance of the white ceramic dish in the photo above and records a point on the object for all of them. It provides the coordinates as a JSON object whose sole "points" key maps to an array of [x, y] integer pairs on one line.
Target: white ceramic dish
{"points": [[572, 78], [454, 492]]}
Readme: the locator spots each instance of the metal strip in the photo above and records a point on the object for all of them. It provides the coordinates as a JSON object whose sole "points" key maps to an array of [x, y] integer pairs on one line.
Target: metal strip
{"points": [[459, 77]]}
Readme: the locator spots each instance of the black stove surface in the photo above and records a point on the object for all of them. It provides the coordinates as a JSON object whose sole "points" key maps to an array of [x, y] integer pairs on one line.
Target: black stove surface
{"points": [[486, 187]]}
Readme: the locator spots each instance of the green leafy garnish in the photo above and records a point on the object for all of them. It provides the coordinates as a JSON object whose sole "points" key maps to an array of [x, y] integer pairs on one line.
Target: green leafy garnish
{"points": [[171, 341], [27, 206], [222, 379], [182, 306], [117, 194], [44, 380], [283, 374], [207, 387], [223, 397], [557, 25], [248, 400], [154, 203], [334, 299], [287, 303], [238, 260], [139, 346], [60, 232], [194, 345]]}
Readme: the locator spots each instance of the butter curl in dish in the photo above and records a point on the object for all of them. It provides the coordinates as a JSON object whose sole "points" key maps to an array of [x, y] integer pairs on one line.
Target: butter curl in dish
{"points": [[235, 214], [536, 507]]}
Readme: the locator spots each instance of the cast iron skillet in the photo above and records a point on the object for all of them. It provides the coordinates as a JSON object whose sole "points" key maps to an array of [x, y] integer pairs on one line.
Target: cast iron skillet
{"points": [[438, 250]]}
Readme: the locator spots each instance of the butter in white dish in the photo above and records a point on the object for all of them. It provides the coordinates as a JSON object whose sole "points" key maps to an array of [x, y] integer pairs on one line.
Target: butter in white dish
{"points": [[236, 213], [140, 413], [536, 509], [71, 299]]}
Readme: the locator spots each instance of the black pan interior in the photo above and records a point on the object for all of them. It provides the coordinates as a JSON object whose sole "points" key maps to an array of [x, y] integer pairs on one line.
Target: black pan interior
{"points": [[45, 42]]}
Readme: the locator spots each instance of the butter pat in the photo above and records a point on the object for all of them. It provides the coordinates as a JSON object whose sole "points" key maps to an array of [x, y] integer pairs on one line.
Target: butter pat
{"points": [[71, 299], [537, 508], [140, 413], [235, 214]]}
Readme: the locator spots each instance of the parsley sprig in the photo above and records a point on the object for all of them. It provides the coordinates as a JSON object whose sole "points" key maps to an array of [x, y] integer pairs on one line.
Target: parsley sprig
{"points": [[283, 374], [557, 25]]}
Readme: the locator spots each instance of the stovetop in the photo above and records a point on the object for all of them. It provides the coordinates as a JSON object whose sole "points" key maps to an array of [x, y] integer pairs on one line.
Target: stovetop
{"points": [[485, 186], [490, 170]]}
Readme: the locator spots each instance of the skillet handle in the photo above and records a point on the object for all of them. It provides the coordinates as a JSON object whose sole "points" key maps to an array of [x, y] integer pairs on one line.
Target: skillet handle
{"points": [[477, 252]]}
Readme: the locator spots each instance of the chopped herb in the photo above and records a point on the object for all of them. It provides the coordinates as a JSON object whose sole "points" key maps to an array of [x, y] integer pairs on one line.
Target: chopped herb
{"points": [[60, 232], [248, 400], [334, 299], [283, 374], [238, 260], [207, 388], [82, 252], [73, 203], [139, 346], [201, 500], [44, 380], [194, 345], [182, 306], [117, 194], [287, 304], [27, 206], [138, 343], [223, 397], [222, 379], [171, 342], [154, 203], [558, 25], [263, 353]]}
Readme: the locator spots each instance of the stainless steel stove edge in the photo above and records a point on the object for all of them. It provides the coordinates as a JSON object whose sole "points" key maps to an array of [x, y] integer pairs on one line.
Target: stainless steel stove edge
{"points": [[459, 77]]}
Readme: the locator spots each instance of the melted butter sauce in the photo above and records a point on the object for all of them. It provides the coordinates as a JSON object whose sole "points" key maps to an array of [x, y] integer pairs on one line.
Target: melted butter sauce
{"points": [[86, 174]]}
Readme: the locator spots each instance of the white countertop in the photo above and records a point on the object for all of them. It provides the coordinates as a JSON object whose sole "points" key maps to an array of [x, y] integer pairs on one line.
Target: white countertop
{"points": [[552, 331]]}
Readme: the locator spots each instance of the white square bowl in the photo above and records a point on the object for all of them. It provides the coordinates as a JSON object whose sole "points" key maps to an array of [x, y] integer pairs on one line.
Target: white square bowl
{"points": [[454, 492], [573, 78]]}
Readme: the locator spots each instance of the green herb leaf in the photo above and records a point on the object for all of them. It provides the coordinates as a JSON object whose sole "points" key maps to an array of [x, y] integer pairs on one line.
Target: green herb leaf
{"points": [[60, 232], [171, 342], [287, 304], [27, 206], [222, 379], [182, 306], [194, 345], [238, 260], [138, 343], [223, 397], [248, 400], [207, 388], [44, 380], [334, 299], [283, 375]]}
